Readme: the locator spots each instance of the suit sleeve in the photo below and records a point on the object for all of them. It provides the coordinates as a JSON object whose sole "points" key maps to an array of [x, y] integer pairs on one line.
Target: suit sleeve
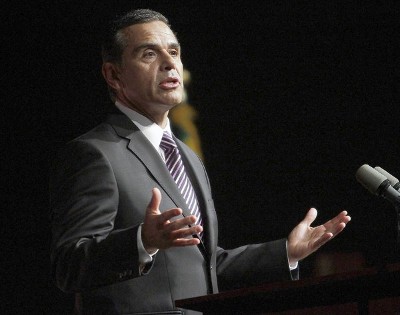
{"points": [[253, 264], [86, 249]]}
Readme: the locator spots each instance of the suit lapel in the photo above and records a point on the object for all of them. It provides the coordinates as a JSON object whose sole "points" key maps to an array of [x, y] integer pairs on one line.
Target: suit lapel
{"points": [[145, 152]]}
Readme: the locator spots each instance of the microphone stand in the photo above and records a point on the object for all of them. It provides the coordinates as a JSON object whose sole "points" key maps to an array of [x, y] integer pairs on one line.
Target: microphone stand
{"points": [[397, 208], [391, 194]]}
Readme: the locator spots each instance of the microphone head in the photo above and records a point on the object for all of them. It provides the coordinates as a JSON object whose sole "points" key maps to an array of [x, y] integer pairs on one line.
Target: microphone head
{"points": [[393, 180], [370, 178]]}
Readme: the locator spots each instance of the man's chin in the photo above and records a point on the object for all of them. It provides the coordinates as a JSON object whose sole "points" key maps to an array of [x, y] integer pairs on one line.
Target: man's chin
{"points": [[173, 97], [172, 102]]}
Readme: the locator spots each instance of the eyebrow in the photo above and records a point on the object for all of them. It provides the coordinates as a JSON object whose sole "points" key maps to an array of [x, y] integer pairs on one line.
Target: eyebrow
{"points": [[155, 46]]}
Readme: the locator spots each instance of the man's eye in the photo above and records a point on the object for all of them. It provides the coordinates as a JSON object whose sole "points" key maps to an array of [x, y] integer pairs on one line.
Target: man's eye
{"points": [[149, 53], [174, 53]]}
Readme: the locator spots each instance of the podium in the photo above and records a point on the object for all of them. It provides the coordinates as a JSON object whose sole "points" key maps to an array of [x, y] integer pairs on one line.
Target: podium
{"points": [[368, 291]]}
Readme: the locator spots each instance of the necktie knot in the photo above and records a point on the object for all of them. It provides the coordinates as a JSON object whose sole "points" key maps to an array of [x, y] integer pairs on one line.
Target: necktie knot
{"points": [[167, 143]]}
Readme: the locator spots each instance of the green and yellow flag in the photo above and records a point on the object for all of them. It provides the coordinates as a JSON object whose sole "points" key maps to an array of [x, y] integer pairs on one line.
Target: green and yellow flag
{"points": [[183, 118]]}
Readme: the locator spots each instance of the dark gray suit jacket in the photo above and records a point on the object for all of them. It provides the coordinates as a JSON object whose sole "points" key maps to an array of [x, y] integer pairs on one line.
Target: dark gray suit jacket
{"points": [[100, 188]]}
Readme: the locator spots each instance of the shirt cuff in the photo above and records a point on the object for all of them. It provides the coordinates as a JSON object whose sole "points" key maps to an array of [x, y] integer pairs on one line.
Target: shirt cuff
{"points": [[291, 266], [144, 256]]}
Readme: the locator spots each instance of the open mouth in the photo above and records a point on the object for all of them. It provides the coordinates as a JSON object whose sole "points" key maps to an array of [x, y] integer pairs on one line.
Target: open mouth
{"points": [[169, 83]]}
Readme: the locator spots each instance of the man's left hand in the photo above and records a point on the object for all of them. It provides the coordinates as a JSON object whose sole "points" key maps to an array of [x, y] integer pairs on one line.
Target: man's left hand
{"points": [[304, 239]]}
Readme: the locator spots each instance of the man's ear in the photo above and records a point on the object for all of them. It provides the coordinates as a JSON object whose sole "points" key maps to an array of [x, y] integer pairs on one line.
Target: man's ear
{"points": [[111, 75]]}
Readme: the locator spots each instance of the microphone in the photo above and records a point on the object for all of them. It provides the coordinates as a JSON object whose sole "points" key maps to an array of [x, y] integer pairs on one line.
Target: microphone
{"points": [[377, 184], [393, 180]]}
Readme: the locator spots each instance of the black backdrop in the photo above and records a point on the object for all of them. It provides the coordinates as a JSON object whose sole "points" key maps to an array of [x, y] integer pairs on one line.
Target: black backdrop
{"points": [[293, 96]]}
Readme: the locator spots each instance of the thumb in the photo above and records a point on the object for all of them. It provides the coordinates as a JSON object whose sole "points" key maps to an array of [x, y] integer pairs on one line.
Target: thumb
{"points": [[154, 204], [310, 216]]}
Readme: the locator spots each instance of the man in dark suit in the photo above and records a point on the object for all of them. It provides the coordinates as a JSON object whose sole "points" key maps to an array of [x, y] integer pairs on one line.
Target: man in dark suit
{"points": [[125, 238]]}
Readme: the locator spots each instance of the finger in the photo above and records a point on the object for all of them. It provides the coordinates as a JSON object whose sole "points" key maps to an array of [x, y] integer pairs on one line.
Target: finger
{"points": [[181, 223], [310, 216], [343, 217], [169, 214], [154, 204], [186, 232], [324, 238], [346, 218], [337, 228], [180, 242], [340, 218]]}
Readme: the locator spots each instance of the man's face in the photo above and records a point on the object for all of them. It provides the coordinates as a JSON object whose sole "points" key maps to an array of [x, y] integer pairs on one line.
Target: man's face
{"points": [[151, 71]]}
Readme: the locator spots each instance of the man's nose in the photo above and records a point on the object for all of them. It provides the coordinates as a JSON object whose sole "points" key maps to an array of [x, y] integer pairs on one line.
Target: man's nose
{"points": [[168, 62]]}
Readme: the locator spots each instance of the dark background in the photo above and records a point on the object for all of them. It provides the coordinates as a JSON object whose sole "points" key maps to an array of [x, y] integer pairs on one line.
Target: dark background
{"points": [[293, 97]]}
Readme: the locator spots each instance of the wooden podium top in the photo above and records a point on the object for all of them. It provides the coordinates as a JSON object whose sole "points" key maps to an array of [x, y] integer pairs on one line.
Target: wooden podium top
{"points": [[353, 287]]}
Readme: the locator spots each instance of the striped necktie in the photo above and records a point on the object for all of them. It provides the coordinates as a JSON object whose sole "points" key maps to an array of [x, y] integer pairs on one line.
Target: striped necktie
{"points": [[174, 163]]}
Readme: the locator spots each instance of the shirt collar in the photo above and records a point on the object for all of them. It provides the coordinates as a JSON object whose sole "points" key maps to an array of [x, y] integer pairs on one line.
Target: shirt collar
{"points": [[150, 129]]}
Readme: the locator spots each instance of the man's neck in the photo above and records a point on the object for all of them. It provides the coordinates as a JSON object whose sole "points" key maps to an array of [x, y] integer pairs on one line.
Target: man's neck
{"points": [[158, 118]]}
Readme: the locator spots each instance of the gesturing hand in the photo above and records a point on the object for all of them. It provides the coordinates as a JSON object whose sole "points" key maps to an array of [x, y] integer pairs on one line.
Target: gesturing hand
{"points": [[304, 239], [160, 232]]}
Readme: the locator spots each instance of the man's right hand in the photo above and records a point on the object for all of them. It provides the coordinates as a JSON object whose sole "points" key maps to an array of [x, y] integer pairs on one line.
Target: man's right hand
{"points": [[159, 232]]}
